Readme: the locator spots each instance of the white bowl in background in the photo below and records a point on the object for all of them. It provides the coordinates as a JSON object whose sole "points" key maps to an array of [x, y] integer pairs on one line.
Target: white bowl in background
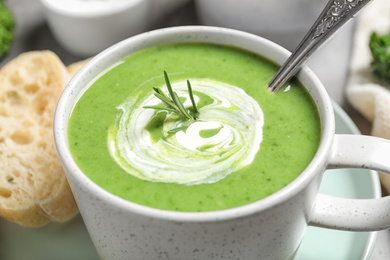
{"points": [[282, 21], [86, 27], [286, 22]]}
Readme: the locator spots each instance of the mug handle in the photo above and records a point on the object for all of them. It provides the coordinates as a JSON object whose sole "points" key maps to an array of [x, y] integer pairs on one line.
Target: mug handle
{"points": [[355, 151]]}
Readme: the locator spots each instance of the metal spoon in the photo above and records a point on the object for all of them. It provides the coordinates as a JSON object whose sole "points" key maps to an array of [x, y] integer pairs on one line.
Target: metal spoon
{"points": [[335, 14]]}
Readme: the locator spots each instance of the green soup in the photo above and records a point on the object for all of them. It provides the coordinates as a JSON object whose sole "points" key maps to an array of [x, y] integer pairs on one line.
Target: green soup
{"points": [[246, 143]]}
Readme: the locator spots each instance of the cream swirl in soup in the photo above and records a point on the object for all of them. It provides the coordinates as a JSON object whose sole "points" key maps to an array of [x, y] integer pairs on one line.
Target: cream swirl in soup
{"points": [[223, 139]]}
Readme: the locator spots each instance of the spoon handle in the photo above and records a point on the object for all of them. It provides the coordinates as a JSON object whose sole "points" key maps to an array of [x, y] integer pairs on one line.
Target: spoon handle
{"points": [[335, 14]]}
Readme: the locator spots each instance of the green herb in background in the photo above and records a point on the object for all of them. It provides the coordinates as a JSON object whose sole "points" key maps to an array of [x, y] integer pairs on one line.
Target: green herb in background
{"points": [[7, 26], [380, 51]]}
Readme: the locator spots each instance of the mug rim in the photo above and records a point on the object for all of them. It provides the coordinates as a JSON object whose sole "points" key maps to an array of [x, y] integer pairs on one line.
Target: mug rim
{"points": [[101, 61]]}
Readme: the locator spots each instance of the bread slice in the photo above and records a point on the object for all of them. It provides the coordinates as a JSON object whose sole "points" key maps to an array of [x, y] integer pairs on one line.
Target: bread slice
{"points": [[76, 66], [33, 186]]}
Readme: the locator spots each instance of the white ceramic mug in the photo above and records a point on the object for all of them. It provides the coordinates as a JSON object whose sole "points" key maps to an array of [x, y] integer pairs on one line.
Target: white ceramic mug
{"points": [[271, 228]]}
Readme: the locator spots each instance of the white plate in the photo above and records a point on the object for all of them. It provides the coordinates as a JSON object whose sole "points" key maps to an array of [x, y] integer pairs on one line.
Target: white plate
{"points": [[71, 241]]}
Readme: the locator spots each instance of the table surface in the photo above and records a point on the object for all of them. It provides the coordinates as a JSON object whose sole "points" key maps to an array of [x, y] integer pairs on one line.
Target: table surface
{"points": [[330, 63]]}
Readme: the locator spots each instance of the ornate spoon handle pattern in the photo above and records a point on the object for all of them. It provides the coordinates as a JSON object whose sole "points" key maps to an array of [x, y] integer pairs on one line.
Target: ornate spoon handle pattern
{"points": [[335, 14]]}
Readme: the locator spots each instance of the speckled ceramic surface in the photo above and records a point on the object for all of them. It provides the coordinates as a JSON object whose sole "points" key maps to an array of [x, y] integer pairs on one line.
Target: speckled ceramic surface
{"points": [[268, 229], [71, 240]]}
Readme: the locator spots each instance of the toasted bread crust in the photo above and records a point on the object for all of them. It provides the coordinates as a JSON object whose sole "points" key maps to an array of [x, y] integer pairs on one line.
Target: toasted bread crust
{"points": [[75, 67], [33, 186]]}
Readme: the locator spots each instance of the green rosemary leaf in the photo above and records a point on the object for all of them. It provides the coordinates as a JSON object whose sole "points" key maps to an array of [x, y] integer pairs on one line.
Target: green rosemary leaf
{"points": [[192, 99], [180, 106], [165, 100], [168, 83], [162, 108], [159, 91], [175, 130]]}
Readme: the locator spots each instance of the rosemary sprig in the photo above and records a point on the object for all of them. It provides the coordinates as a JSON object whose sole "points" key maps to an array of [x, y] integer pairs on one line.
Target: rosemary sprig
{"points": [[173, 101]]}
